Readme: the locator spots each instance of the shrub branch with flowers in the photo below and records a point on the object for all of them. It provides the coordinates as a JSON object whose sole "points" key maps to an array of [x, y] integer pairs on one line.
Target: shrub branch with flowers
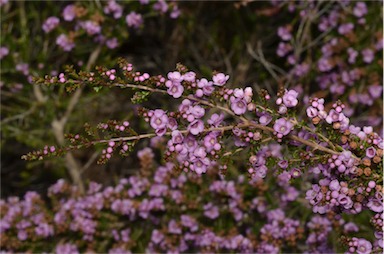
{"points": [[339, 164]]}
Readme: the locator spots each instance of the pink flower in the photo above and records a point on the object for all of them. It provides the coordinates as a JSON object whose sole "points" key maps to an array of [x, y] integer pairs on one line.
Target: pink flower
{"points": [[189, 76], [113, 8], [216, 119], [112, 43], [283, 127], [91, 27], [238, 105], [284, 33], [177, 137], [363, 246], [220, 79], [134, 20], [290, 98], [175, 89], [175, 76], [50, 24], [368, 55], [159, 120], [360, 9], [210, 141], [3, 52], [196, 127], [312, 112], [65, 43], [370, 152], [69, 13]]}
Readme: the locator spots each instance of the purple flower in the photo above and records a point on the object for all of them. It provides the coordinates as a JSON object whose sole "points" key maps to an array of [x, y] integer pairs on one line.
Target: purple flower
{"points": [[220, 79], [333, 116], [375, 91], [3, 52], [290, 98], [172, 123], [284, 33], [345, 201], [114, 8], [174, 88], [283, 164], [196, 127], [311, 112], [91, 27], [197, 111], [360, 9], [216, 119], [283, 127], [375, 205], [210, 141], [261, 171], [134, 19], [3, 2], [43, 229], [238, 105], [177, 137], [324, 64], [203, 83], [295, 172], [161, 6], [345, 28], [363, 246], [159, 119], [157, 236], [370, 152], [119, 250], [50, 24], [352, 54], [188, 221], [22, 235], [334, 185], [351, 227], [368, 55], [189, 76], [66, 248], [23, 67], [173, 228], [65, 43], [112, 43], [175, 76], [283, 49], [69, 12], [211, 211], [265, 119]]}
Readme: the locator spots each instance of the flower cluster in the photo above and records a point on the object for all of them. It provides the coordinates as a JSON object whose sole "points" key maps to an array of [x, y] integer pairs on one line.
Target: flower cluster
{"points": [[343, 56], [96, 25], [220, 215]]}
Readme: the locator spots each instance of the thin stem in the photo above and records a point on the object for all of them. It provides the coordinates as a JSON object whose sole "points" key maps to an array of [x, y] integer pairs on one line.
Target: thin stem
{"points": [[246, 123], [151, 135], [296, 138], [186, 97]]}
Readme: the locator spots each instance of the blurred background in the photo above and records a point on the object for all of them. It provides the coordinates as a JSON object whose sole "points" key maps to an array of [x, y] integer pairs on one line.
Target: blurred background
{"points": [[331, 49]]}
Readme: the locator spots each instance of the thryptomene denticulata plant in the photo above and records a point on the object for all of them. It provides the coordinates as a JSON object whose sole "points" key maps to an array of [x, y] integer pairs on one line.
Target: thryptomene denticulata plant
{"points": [[310, 180]]}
